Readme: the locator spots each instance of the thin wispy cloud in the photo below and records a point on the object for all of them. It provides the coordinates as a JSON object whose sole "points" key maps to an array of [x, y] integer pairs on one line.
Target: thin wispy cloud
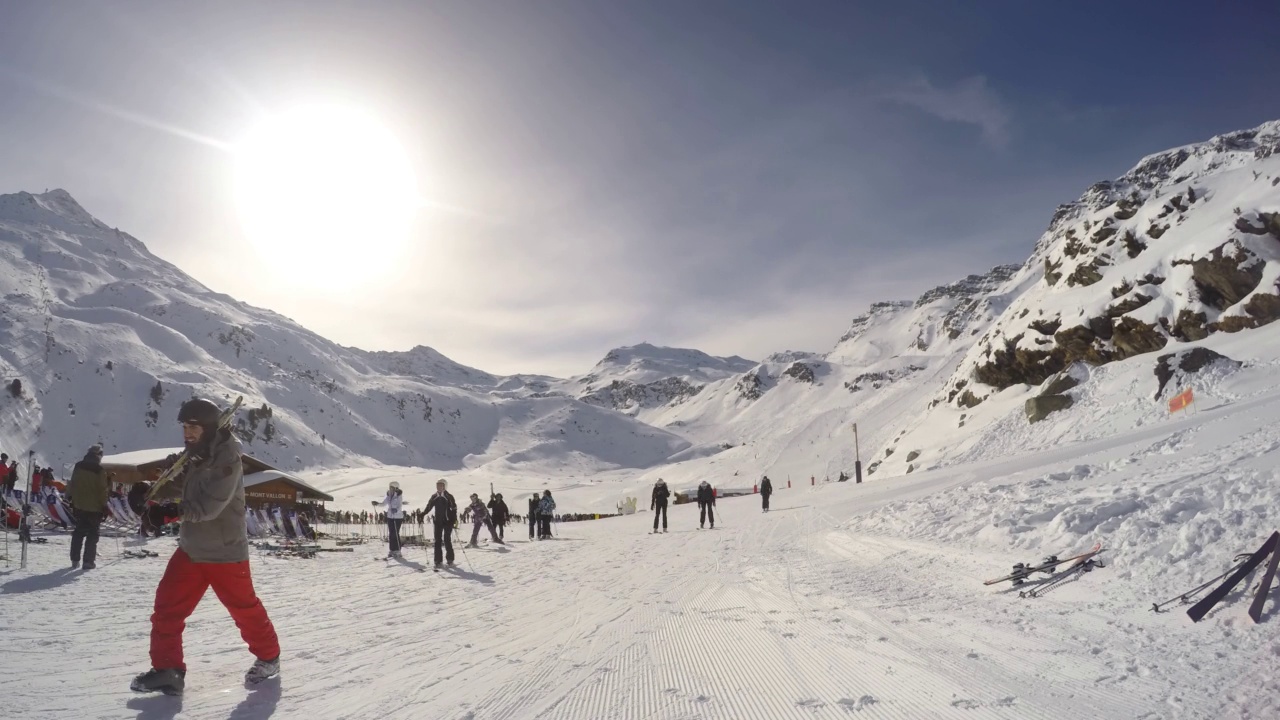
{"points": [[971, 101]]}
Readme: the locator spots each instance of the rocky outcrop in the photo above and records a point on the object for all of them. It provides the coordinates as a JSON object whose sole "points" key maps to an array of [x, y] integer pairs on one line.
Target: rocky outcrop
{"points": [[1038, 408], [1188, 361], [1226, 276], [800, 371], [623, 396], [751, 386]]}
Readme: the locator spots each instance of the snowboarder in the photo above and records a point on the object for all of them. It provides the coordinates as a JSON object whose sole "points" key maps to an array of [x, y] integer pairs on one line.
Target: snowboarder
{"points": [[766, 489], [444, 518], [658, 504], [546, 511], [479, 517], [394, 502], [533, 514], [706, 505], [213, 550], [500, 514], [88, 494]]}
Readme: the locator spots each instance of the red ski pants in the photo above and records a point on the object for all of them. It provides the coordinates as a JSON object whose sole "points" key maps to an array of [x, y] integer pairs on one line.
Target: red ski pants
{"points": [[180, 590]]}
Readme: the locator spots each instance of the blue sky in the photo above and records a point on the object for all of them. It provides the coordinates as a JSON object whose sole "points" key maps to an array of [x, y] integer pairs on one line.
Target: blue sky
{"points": [[738, 177]]}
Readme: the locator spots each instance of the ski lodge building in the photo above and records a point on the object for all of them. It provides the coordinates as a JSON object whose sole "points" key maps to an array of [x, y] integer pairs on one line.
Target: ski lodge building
{"points": [[263, 485]]}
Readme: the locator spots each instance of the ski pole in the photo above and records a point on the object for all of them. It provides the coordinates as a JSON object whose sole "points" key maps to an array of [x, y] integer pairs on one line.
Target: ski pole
{"points": [[1186, 596]]}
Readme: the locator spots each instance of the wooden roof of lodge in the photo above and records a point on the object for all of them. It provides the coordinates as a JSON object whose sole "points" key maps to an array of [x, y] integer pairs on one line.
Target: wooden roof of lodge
{"points": [[140, 465]]}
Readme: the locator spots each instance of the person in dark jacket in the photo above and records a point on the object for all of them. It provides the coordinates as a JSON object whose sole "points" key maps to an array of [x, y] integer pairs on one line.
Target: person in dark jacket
{"points": [[499, 513], [213, 550], [443, 510], [88, 493], [533, 514], [658, 504], [706, 505], [766, 489], [480, 517]]}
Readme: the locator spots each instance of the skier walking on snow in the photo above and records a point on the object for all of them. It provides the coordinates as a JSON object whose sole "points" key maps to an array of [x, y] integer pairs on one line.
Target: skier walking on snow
{"points": [[480, 516], [546, 511], [444, 518], [394, 502], [500, 514], [213, 550], [658, 504], [766, 489], [706, 504]]}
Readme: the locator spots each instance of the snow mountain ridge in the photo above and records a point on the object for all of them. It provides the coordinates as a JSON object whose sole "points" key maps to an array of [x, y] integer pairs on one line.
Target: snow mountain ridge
{"points": [[106, 340]]}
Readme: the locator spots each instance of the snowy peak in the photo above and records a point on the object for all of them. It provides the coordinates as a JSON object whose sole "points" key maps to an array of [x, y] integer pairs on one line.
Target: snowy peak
{"points": [[430, 365], [642, 377]]}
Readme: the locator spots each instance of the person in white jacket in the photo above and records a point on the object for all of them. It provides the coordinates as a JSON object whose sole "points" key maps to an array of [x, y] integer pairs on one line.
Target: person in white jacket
{"points": [[394, 502]]}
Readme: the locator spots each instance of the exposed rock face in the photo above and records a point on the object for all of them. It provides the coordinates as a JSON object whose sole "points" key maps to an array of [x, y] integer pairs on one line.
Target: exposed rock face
{"points": [[1112, 249], [1038, 408], [751, 386], [1188, 361], [877, 380], [800, 371], [622, 395], [1226, 276], [1060, 384]]}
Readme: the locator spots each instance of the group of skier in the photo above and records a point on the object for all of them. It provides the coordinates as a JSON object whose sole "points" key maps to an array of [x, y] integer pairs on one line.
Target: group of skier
{"points": [[706, 498], [443, 511]]}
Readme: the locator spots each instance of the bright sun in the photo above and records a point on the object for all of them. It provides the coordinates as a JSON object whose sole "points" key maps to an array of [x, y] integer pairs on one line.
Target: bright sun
{"points": [[325, 193]]}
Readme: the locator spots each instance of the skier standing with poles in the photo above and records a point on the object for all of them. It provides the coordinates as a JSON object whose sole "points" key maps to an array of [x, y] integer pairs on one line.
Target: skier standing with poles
{"points": [[394, 502], [444, 517], [213, 550], [479, 517], [500, 514], [658, 504]]}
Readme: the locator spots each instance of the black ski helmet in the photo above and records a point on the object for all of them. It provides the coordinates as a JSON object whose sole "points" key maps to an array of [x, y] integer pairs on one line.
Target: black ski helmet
{"points": [[200, 411]]}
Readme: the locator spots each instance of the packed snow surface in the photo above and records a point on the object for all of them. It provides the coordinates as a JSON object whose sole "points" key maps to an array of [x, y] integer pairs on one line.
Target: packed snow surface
{"points": [[845, 600]]}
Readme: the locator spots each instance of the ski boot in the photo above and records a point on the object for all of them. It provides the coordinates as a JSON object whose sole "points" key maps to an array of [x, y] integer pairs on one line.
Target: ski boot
{"points": [[262, 670], [169, 681]]}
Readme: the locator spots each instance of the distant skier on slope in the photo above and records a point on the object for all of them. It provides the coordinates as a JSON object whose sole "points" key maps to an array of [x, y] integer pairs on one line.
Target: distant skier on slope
{"points": [[213, 550], [706, 504], [658, 504], [444, 517], [546, 511], [766, 489], [480, 517], [394, 502], [500, 514]]}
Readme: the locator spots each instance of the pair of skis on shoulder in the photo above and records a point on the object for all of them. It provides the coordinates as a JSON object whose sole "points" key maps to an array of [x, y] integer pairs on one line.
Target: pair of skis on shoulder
{"points": [[1084, 562]]}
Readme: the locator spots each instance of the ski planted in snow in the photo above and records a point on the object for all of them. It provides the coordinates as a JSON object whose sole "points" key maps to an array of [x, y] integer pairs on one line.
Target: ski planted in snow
{"points": [[1021, 571], [224, 420], [1255, 608], [1202, 608], [1186, 596]]}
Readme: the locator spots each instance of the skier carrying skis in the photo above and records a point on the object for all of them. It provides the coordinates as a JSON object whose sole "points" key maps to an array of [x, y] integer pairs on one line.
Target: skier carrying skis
{"points": [[533, 514], [394, 502], [88, 495], [658, 504], [766, 489], [480, 516], [500, 514], [546, 511], [213, 550], [444, 518], [706, 504]]}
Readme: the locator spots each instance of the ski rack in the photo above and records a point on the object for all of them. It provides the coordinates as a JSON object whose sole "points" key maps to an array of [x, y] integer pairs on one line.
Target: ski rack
{"points": [[1269, 548]]}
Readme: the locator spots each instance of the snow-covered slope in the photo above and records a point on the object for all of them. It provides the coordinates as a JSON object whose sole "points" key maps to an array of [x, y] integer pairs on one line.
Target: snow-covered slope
{"points": [[105, 341]]}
